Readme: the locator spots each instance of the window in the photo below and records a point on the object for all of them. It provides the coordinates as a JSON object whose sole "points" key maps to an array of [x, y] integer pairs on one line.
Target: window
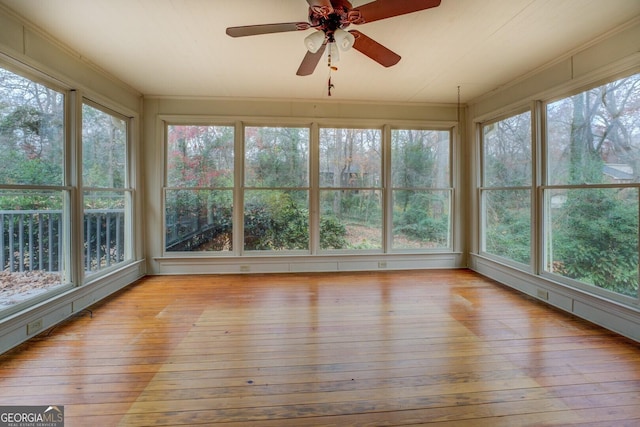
{"points": [[506, 189], [421, 186], [200, 185], [276, 188], [591, 200], [34, 202], [350, 189], [266, 207], [107, 199]]}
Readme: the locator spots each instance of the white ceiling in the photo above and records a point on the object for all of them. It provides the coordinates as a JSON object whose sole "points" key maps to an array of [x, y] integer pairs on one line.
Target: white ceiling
{"points": [[179, 47]]}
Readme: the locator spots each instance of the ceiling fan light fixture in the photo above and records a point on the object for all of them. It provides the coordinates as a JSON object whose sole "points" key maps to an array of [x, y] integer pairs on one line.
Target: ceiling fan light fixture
{"points": [[314, 41], [344, 39]]}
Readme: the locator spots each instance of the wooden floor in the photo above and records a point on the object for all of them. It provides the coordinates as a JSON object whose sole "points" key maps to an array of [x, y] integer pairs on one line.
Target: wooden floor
{"points": [[443, 348]]}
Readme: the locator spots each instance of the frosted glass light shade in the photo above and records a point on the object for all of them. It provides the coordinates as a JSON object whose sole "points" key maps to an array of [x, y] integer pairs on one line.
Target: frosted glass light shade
{"points": [[344, 39], [314, 41]]}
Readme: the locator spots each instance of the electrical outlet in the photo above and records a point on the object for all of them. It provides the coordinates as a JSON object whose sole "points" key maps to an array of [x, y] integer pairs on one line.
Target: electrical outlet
{"points": [[34, 327], [543, 294], [245, 268], [382, 264]]}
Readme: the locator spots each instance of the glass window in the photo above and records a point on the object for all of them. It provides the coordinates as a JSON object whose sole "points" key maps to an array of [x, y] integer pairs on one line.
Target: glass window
{"points": [[104, 178], [593, 152], [276, 194], [506, 192], [420, 171], [33, 232], [593, 237], [199, 193], [350, 189], [594, 137], [31, 132], [270, 204]]}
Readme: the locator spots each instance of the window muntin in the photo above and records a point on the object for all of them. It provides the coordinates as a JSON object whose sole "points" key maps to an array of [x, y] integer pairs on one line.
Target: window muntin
{"points": [[200, 186], [506, 192], [106, 212], [351, 189], [34, 203], [591, 203], [421, 193]]}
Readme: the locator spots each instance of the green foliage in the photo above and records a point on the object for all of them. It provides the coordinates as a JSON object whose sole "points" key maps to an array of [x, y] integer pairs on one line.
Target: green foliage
{"points": [[332, 233], [510, 237], [596, 240], [277, 222], [28, 119], [26, 154], [273, 222], [30, 201], [417, 220], [508, 222]]}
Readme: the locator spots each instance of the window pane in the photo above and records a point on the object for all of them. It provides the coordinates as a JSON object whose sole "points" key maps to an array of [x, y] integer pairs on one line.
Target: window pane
{"points": [[350, 158], [593, 237], [420, 158], [276, 220], [276, 157], [594, 136], [507, 152], [31, 132], [351, 219], [507, 228], [200, 156], [104, 149], [104, 165], [105, 222], [32, 232], [198, 220], [421, 219]]}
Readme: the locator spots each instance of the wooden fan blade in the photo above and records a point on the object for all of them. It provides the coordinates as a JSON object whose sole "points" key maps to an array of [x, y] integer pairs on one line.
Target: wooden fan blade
{"points": [[254, 30], [374, 50], [321, 3], [310, 62], [382, 9]]}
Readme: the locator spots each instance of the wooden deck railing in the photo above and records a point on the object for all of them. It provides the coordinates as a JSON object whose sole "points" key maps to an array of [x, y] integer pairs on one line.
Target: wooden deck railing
{"points": [[32, 240]]}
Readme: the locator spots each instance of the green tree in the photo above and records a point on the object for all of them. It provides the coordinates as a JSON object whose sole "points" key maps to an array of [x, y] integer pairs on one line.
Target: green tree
{"points": [[595, 236]]}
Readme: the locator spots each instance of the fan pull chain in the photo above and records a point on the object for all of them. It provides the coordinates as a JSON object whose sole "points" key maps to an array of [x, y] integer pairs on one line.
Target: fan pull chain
{"points": [[331, 68]]}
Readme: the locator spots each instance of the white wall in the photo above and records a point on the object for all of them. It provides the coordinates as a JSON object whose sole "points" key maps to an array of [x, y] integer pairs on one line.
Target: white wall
{"points": [[617, 53]]}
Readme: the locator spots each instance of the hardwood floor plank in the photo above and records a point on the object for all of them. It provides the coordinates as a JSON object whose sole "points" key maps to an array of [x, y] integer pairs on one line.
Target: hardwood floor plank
{"points": [[441, 347]]}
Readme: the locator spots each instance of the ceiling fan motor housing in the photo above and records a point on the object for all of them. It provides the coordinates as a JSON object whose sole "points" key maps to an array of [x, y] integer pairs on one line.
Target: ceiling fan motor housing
{"points": [[330, 19]]}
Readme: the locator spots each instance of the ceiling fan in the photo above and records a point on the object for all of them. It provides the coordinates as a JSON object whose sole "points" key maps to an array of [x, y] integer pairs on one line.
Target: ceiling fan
{"points": [[331, 18]]}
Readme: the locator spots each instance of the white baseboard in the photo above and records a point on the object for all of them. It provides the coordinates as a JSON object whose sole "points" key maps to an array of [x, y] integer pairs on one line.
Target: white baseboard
{"points": [[14, 329], [612, 315]]}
